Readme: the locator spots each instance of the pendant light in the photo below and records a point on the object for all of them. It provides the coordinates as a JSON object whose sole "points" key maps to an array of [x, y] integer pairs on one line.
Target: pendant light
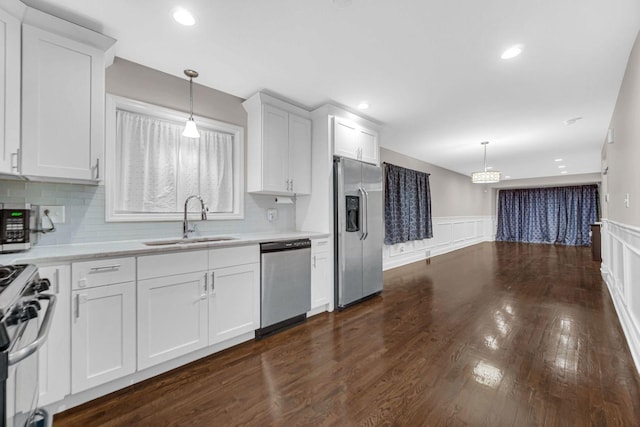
{"points": [[486, 176], [190, 129]]}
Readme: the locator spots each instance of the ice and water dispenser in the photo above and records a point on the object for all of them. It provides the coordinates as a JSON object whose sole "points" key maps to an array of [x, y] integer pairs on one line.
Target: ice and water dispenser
{"points": [[353, 213]]}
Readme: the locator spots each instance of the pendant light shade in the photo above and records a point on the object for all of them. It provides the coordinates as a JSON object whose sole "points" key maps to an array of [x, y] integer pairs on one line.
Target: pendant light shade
{"points": [[485, 176], [190, 129]]}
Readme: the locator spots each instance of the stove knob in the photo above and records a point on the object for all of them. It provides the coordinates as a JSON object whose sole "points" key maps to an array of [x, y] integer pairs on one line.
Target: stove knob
{"points": [[34, 303], [42, 285], [14, 317], [30, 311]]}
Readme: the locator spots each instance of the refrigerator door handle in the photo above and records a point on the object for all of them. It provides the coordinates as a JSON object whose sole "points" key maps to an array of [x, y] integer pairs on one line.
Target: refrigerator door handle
{"points": [[365, 213]]}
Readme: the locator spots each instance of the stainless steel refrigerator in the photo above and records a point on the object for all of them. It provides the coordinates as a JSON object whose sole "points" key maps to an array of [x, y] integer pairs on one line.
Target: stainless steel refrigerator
{"points": [[358, 230]]}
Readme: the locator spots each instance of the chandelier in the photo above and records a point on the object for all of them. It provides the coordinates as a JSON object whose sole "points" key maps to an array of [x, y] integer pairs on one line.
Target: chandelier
{"points": [[486, 176]]}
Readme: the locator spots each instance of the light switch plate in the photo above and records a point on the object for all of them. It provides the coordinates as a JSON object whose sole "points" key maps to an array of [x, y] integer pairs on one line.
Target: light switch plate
{"points": [[272, 214]]}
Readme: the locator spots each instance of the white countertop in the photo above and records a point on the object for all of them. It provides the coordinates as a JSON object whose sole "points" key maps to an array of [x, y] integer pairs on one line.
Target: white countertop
{"points": [[59, 253]]}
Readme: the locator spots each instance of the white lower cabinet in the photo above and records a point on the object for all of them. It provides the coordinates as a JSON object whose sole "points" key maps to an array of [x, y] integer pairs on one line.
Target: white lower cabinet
{"points": [[130, 313], [234, 301], [320, 273], [103, 338], [172, 317], [54, 365]]}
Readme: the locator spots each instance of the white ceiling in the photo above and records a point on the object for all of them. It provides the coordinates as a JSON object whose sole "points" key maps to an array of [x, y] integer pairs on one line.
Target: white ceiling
{"points": [[431, 70]]}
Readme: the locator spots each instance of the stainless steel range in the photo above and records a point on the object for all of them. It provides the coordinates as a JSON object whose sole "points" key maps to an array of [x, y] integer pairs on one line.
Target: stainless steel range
{"points": [[21, 294]]}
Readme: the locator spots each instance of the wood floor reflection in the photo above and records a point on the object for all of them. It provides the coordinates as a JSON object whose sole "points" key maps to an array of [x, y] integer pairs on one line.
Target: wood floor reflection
{"points": [[497, 334]]}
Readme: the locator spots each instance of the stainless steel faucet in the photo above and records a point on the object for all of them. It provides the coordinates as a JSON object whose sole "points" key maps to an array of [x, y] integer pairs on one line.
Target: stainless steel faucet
{"points": [[203, 215]]}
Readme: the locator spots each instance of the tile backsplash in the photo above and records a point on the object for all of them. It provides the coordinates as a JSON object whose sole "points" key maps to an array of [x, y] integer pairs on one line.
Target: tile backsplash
{"points": [[85, 215]]}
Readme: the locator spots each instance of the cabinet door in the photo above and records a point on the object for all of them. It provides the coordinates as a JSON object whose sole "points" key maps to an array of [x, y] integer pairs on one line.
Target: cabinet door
{"points": [[62, 107], [103, 339], [275, 149], [172, 317], [368, 143], [9, 92], [320, 279], [345, 139], [300, 157], [234, 302], [54, 357]]}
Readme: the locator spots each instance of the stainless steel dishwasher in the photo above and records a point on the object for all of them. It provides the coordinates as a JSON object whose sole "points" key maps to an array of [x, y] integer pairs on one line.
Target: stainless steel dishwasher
{"points": [[285, 285]]}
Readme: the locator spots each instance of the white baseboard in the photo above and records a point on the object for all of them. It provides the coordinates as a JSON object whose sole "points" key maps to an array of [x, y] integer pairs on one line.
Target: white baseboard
{"points": [[621, 272], [449, 234]]}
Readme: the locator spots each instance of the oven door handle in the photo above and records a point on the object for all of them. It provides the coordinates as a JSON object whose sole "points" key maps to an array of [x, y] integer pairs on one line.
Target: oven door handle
{"points": [[28, 350]]}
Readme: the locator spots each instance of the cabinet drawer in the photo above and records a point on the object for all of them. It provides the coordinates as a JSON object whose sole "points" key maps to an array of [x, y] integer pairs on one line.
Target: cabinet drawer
{"points": [[238, 255], [170, 264], [319, 245], [89, 274]]}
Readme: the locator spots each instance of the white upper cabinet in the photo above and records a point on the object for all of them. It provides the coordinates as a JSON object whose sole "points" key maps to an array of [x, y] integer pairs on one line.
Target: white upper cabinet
{"points": [[279, 147], [9, 90], [300, 154], [63, 96], [355, 141]]}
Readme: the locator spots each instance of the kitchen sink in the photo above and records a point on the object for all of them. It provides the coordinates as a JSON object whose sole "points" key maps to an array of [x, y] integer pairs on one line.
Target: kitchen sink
{"points": [[189, 241]]}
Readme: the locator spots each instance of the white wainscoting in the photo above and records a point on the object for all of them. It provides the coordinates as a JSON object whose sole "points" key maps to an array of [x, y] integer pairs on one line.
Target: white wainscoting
{"points": [[449, 234], [621, 271]]}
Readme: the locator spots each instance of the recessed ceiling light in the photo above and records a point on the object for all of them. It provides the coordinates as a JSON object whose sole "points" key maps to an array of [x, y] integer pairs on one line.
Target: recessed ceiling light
{"points": [[512, 52], [557, 160], [564, 172], [363, 105], [562, 166], [184, 17], [571, 121]]}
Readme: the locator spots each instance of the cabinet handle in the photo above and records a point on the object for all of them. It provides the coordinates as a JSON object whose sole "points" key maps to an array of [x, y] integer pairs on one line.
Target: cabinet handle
{"points": [[97, 168], [80, 299], [57, 281], [104, 267], [314, 261], [213, 281], [291, 185], [15, 156]]}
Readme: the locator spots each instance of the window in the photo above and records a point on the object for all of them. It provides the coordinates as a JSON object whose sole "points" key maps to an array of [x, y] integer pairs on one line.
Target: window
{"points": [[152, 168]]}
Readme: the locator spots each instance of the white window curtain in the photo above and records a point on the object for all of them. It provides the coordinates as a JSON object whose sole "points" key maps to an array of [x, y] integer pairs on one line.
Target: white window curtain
{"points": [[159, 167]]}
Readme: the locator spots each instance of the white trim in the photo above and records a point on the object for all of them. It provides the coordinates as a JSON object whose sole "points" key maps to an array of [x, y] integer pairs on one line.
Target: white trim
{"points": [[449, 234], [621, 272], [114, 102]]}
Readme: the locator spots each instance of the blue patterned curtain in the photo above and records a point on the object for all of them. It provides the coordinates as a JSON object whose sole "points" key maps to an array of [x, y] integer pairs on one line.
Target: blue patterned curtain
{"points": [[558, 215], [407, 205]]}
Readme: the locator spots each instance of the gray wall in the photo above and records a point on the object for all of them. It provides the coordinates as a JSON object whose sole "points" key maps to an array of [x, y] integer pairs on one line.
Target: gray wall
{"points": [[452, 194], [136, 81], [85, 214], [623, 156]]}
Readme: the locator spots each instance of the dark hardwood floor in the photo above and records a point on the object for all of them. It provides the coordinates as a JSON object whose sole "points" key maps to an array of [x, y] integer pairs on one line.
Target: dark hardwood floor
{"points": [[497, 334]]}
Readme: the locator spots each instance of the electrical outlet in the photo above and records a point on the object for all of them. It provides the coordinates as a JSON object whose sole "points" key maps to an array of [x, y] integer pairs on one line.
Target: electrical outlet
{"points": [[272, 214], [56, 213]]}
